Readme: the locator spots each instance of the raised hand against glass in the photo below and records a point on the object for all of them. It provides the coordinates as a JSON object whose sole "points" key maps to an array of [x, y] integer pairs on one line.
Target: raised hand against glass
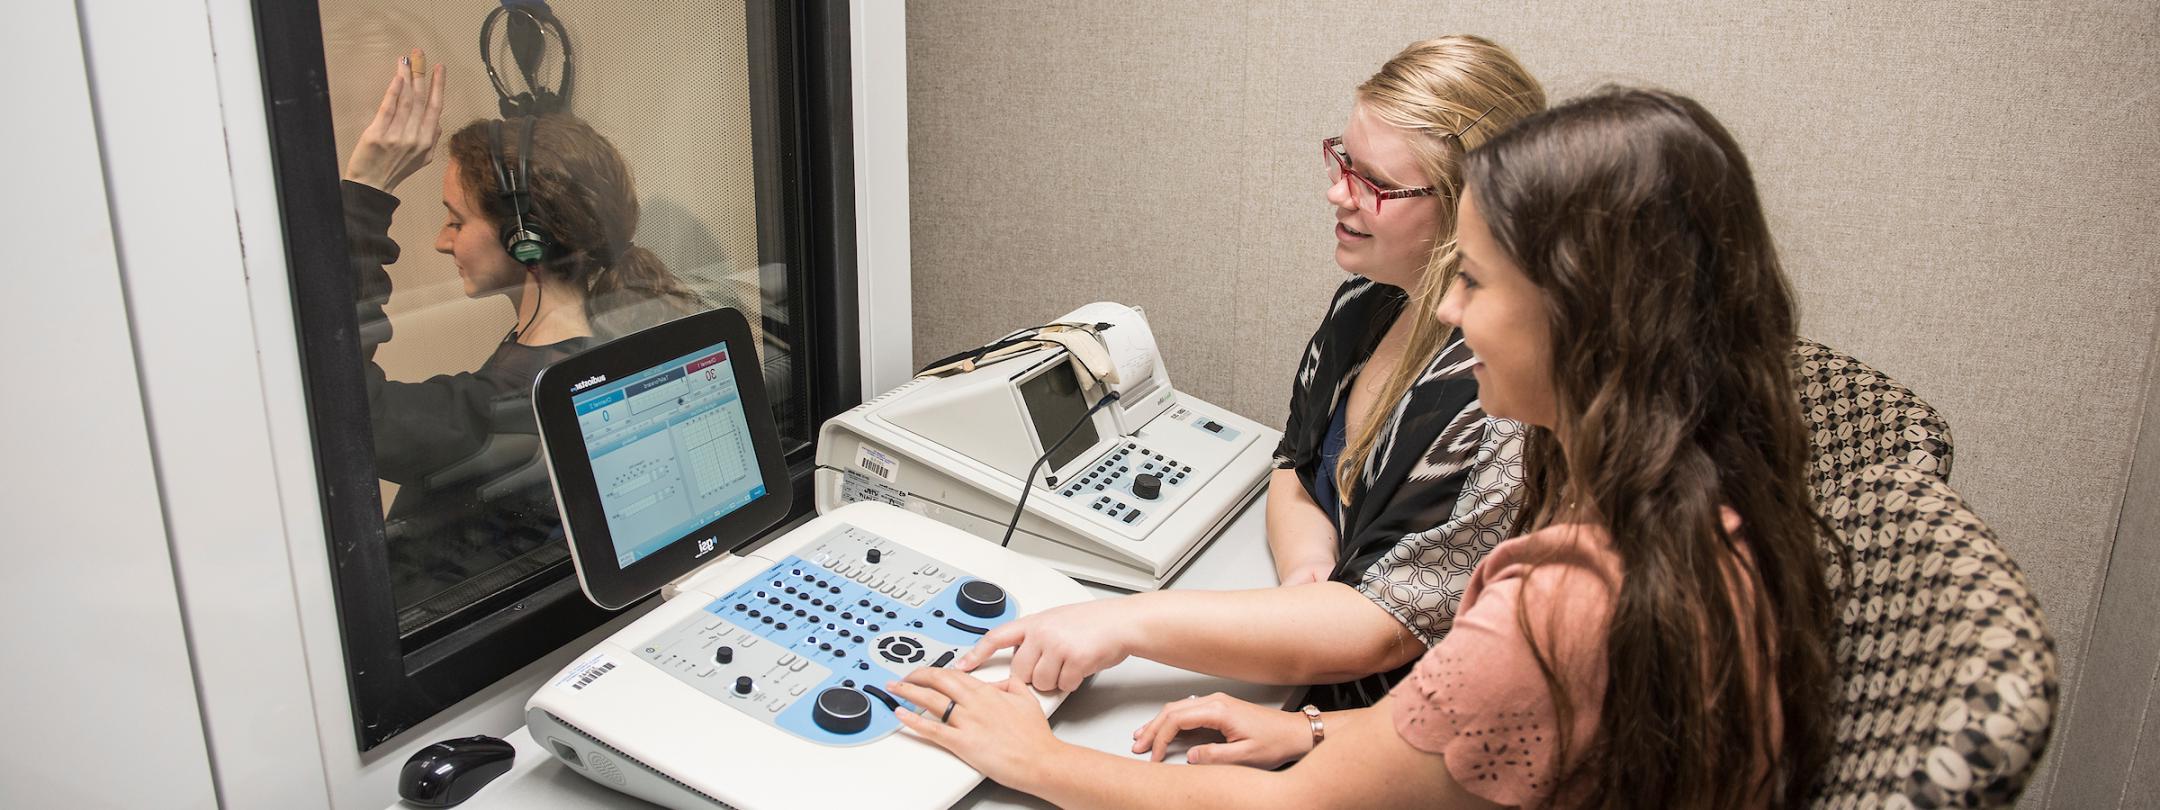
{"points": [[406, 126]]}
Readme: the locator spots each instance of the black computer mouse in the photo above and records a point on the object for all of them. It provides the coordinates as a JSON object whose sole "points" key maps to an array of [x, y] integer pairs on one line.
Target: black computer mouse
{"points": [[446, 773]]}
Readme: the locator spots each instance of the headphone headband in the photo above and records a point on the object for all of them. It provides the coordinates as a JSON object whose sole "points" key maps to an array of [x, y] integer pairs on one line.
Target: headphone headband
{"points": [[529, 31]]}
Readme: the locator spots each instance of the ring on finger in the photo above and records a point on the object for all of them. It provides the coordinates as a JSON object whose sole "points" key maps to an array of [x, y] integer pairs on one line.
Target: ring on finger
{"points": [[947, 716]]}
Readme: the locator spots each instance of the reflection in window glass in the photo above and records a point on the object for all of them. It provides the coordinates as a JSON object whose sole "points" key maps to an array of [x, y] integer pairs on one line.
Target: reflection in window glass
{"points": [[508, 241]]}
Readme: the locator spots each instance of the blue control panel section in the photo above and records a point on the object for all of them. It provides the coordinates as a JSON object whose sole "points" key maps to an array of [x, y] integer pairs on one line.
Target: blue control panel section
{"points": [[808, 645]]}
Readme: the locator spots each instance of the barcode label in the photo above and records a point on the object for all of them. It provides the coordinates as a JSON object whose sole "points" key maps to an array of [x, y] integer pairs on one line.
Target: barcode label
{"points": [[584, 674], [876, 462], [592, 675]]}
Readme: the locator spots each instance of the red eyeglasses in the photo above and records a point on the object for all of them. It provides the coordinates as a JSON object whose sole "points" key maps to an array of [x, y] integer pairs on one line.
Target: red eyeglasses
{"points": [[1370, 195]]}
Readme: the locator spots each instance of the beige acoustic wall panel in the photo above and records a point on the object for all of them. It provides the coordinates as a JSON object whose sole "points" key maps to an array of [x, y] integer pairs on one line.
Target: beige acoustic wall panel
{"points": [[1967, 196]]}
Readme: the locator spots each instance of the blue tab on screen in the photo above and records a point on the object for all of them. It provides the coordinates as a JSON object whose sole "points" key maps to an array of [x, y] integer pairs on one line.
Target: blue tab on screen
{"points": [[596, 403]]}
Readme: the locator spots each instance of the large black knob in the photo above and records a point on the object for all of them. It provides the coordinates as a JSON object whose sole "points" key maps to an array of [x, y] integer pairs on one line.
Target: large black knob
{"points": [[1147, 485], [724, 655], [873, 555], [743, 685], [982, 599], [841, 711]]}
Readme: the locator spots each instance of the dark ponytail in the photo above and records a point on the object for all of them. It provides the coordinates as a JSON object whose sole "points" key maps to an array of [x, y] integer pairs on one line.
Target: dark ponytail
{"points": [[638, 271]]}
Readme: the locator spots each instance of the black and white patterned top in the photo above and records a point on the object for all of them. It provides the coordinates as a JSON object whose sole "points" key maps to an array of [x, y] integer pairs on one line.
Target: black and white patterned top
{"points": [[1440, 489]]}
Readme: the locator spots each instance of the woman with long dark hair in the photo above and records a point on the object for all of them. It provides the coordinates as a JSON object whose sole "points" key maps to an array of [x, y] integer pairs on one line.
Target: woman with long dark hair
{"points": [[1658, 635], [541, 211]]}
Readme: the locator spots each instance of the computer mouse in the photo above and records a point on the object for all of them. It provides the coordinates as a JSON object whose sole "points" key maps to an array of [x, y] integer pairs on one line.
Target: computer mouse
{"points": [[446, 773]]}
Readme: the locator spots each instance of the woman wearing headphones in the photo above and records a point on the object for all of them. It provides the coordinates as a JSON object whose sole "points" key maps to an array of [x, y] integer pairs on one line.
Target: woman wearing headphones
{"points": [[540, 211], [1660, 636], [1390, 483]]}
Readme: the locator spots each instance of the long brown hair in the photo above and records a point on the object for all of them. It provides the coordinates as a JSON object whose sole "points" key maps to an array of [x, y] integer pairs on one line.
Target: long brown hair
{"points": [[1672, 329], [1433, 90], [583, 197]]}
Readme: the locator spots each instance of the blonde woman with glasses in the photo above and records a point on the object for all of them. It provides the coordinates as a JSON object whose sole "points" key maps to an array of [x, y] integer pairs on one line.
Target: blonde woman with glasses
{"points": [[1390, 483]]}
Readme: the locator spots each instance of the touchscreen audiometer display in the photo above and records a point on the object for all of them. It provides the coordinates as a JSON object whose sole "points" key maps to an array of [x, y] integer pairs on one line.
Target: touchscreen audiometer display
{"points": [[670, 449], [1054, 403]]}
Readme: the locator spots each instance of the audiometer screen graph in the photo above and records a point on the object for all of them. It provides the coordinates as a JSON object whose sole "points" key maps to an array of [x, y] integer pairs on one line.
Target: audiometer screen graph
{"points": [[670, 450]]}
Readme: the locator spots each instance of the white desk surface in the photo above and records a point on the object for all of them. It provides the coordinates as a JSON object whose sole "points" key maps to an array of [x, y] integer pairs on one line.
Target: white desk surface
{"points": [[1102, 715]]}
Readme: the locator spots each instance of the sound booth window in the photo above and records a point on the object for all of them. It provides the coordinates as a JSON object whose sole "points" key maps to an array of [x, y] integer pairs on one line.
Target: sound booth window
{"points": [[518, 182]]}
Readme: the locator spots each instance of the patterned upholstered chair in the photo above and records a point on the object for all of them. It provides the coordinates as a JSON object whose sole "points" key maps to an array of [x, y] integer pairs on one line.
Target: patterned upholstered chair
{"points": [[1947, 668], [1859, 417]]}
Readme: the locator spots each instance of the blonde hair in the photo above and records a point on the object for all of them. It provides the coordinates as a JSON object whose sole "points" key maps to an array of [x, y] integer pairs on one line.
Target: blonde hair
{"points": [[1431, 91]]}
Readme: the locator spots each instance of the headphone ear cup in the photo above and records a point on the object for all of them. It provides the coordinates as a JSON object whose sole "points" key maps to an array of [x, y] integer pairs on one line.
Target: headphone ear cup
{"points": [[528, 244]]}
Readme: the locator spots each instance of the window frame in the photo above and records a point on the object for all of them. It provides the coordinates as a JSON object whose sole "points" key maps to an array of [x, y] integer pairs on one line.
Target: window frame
{"points": [[803, 139]]}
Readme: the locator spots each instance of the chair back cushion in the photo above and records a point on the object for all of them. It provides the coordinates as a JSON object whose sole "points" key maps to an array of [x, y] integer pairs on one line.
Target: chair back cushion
{"points": [[1858, 417], [1947, 670]]}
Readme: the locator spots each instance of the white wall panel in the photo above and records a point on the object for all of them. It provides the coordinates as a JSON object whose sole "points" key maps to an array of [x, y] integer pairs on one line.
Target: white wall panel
{"points": [[99, 697]]}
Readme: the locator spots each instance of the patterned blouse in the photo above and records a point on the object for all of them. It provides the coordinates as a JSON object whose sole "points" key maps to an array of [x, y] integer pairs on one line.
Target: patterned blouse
{"points": [[1440, 489]]}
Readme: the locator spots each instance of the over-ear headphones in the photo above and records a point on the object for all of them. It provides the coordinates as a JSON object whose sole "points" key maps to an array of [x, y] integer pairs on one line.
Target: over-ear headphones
{"points": [[530, 28], [526, 241]]}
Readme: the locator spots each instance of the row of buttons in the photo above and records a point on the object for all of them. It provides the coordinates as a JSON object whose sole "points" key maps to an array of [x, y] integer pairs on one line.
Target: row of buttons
{"points": [[1113, 508], [774, 608], [883, 582], [1171, 471]]}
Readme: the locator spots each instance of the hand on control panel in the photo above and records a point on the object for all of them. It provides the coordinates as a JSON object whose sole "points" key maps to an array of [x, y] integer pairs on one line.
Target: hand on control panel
{"points": [[998, 729], [1058, 648]]}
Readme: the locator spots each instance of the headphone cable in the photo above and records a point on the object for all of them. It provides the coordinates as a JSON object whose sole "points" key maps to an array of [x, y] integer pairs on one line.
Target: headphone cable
{"points": [[539, 294], [1027, 485]]}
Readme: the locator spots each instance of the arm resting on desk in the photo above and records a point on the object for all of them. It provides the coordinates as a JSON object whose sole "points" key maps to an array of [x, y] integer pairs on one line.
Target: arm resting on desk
{"points": [[1000, 730], [1299, 533], [1363, 764], [1324, 632]]}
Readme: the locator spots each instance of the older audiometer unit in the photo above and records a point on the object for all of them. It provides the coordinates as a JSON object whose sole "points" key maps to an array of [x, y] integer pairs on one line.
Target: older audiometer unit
{"points": [[1125, 490], [758, 683]]}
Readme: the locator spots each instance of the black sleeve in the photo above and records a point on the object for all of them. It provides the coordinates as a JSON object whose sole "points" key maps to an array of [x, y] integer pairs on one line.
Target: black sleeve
{"points": [[419, 427], [367, 237], [1296, 448], [425, 426], [1301, 434]]}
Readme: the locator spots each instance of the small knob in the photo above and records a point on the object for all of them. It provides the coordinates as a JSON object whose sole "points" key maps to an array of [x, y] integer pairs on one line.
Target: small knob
{"points": [[743, 685], [874, 555], [841, 711], [981, 599], [724, 655], [1147, 486]]}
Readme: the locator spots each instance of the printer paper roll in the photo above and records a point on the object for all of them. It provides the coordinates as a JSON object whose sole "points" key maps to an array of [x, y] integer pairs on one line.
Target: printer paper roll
{"points": [[1130, 342]]}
